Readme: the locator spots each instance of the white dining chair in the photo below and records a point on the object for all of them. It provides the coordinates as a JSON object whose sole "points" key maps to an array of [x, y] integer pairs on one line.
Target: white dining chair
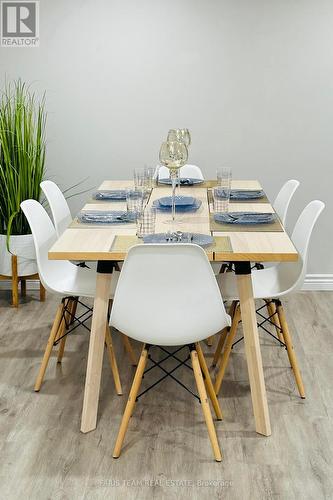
{"points": [[283, 199], [271, 285], [60, 210], [186, 172], [174, 300], [67, 281]]}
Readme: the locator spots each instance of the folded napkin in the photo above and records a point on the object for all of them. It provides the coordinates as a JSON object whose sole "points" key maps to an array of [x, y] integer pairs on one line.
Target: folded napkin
{"points": [[244, 218], [116, 194], [107, 217], [183, 181], [202, 240], [240, 194]]}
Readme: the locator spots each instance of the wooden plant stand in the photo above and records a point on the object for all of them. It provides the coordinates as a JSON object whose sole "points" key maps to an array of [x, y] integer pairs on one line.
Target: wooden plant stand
{"points": [[15, 279]]}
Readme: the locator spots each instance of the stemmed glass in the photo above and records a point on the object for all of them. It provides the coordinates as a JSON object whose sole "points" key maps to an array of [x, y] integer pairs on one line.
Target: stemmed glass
{"points": [[180, 135], [173, 155]]}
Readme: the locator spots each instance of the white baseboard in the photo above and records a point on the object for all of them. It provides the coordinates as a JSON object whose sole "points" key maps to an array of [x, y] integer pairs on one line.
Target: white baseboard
{"points": [[313, 282], [317, 282]]}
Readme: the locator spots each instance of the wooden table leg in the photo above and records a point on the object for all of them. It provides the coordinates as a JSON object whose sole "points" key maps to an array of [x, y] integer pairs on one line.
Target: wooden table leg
{"points": [[96, 346], [252, 348]]}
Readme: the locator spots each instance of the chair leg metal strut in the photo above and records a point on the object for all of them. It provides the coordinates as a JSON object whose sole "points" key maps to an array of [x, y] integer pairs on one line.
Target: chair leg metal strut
{"points": [[203, 383]]}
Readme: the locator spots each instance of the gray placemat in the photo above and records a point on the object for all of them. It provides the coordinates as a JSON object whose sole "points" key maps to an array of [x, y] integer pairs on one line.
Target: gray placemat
{"points": [[242, 228], [122, 243]]}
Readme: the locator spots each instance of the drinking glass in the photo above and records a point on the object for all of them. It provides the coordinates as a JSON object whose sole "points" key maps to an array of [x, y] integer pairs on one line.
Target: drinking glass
{"points": [[150, 177], [221, 197], [146, 222], [135, 201], [140, 178], [224, 176], [173, 155]]}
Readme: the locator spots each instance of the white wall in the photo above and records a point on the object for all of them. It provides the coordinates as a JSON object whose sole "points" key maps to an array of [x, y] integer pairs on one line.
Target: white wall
{"points": [[253, 80]]}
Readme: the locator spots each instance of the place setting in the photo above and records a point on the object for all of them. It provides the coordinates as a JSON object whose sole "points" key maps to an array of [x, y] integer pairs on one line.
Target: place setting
{"points": [[144, 179], [136, 199]]}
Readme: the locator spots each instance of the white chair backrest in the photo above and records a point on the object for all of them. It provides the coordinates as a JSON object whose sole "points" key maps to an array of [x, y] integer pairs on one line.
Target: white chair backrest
{"points": [[59, 207], [168, 295], [302, 232], [293, 273], [283, 199], [44, 236], [187, 171]]}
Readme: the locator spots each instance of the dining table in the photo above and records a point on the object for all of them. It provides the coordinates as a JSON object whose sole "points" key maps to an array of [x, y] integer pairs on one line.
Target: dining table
{"points": [[241, 245]]}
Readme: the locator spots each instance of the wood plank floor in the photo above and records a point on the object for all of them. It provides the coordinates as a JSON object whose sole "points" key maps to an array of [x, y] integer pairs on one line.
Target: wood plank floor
{"points": [[166, 452]]}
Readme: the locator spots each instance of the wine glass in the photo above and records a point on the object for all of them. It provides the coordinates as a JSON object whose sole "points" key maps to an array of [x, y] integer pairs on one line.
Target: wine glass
{"points": [[173, 155], [186, 136], [180, 135]]}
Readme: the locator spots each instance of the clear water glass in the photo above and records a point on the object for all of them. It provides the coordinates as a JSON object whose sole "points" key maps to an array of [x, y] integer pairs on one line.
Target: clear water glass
{"points": [[135, 199], [140, 178], [150, 177], [146, 222], [224, 176], [221, 198]]}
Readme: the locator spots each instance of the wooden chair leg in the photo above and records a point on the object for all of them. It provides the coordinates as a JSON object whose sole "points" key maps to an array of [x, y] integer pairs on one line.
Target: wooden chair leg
{"points": [[271, 309], [73, 310], [49, 346], [64, 326], [208, 382], [224, 334], [15, 296], [113, 361], [23, 288], [129, 349], [131, 402], [290, 349], [209, 341], [227, 350], [232, 308], [42, 292], [205, 406], [220, 345]]}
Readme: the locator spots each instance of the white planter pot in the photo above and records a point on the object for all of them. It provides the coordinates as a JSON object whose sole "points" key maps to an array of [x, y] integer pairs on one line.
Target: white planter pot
{"points": [[22, 246]]}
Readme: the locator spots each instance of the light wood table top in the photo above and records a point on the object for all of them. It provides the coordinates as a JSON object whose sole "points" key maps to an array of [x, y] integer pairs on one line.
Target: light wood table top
{"points": [[87, 242]]}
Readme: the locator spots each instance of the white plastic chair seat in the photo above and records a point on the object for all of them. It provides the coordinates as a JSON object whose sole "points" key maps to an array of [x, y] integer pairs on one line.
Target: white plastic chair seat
{"points": [[78, 281], [272, 282]]}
